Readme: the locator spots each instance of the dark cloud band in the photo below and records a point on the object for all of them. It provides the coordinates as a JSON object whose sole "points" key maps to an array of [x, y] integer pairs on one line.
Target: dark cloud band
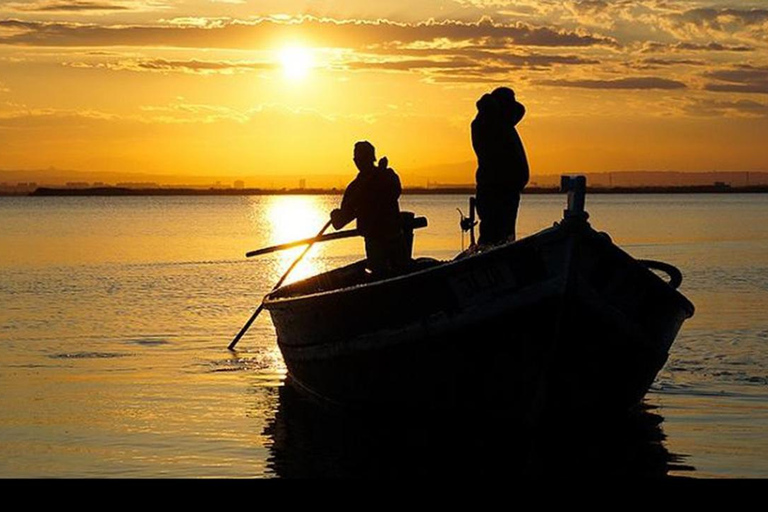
{"points": [[620, 83]]}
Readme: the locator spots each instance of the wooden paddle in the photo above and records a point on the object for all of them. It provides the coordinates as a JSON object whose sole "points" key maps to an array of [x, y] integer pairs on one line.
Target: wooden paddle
{"points": [[320, 238], [261, 306], [418, 222]]}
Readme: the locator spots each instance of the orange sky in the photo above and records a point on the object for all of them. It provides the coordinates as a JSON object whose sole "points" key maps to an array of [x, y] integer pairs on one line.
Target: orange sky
{"points": [[272, 90]]}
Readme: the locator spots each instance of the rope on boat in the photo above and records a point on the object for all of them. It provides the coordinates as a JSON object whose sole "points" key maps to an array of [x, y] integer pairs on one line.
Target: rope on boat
{"points": [[675, 276]]}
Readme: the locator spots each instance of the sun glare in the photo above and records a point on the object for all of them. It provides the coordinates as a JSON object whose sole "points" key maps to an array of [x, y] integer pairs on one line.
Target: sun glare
{"points": [[296, 61], [294, 218]]}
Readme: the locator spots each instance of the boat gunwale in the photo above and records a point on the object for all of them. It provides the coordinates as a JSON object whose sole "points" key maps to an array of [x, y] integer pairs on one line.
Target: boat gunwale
{"points": [[563, 229], [270, 300]]}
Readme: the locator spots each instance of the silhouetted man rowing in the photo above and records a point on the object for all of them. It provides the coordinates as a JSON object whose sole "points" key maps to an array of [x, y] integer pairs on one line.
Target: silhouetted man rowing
{"points": [[372, 199], [502, 167]]}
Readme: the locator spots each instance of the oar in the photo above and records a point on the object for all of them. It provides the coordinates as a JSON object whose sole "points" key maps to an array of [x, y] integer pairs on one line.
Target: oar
{"points": [[416, 223], [319, 238], [261, 306]]}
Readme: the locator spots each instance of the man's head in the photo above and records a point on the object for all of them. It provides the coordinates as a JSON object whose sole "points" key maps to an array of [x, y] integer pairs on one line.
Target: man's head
{"points": [[511, 109], [365, 155], [504, 95]]}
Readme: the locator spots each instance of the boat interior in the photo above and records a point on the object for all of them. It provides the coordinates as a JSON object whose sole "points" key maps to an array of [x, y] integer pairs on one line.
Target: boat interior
{"points": [[355, 274]]}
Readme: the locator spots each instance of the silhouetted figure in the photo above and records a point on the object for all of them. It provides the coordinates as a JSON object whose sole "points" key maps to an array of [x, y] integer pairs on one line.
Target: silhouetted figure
{"points": [[502, 168], [372, 199]]}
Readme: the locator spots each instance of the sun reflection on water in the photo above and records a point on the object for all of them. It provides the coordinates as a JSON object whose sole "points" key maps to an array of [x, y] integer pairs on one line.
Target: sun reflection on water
{"points": [[293, 218]]}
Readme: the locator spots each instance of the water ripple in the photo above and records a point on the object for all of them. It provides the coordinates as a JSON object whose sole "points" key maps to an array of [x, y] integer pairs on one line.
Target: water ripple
{"points": [[88, 355], [149, 342]]}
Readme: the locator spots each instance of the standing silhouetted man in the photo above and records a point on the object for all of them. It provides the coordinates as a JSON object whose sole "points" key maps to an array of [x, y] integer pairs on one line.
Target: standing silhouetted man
{"points": [[372, 199], [502, 167]]}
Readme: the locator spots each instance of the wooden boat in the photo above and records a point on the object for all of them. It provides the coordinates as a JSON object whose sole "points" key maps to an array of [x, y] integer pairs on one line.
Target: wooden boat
{"points": [[560, 320]]}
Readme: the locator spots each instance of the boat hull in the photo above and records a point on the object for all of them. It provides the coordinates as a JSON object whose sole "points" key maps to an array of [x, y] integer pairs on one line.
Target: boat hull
{"points": [[560, 320]]}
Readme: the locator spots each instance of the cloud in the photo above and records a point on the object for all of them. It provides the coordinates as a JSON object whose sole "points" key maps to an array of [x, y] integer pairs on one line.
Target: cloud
{"points": [[315, 31], [717, 108], [594, 12], [38, 116], [680, 27], [196, 21], [194, 113], [448, 50], [413, 64], [533, 60], [682, 46], [69, 7], [197, 66], [619, 83], [178, 112], [456, 65], [459, 70], [711, 47], [589, 6], [714, 22], [184, 66], [627, 20], [673, 62], [470, 79], [79, 6], [470, 59], [656, 63], [723, 18], [740, 79]]}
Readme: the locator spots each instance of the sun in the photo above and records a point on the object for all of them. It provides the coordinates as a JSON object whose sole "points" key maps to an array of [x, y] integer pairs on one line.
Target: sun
{"points": [[296, 61]]}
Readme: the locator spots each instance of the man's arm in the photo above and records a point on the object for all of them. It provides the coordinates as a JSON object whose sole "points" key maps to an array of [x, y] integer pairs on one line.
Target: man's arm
{"points": [[345, 214]]}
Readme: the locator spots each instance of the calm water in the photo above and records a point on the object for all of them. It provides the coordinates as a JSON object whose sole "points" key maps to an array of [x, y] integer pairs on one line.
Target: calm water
{"points": [[115, 314]]}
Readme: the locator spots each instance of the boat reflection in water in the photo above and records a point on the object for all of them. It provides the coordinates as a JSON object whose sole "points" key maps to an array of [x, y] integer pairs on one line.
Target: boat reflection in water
{"points": [[311, 441]]}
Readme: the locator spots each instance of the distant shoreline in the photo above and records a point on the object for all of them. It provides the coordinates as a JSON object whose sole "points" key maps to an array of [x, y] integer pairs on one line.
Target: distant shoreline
{"points": [[468, 190]]}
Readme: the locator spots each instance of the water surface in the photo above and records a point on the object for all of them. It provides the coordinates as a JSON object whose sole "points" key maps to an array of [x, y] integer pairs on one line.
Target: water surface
{"points": [[116, 313]]}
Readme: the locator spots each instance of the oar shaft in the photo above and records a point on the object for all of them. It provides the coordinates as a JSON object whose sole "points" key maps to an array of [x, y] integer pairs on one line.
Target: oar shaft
{"points": [[324, 238], [416, 223], [301, 256], [277, 285], [246, 327]]}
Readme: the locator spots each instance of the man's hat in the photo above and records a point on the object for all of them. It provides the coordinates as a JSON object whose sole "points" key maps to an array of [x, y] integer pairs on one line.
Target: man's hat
{"points": [[365, 149], [504, 95]]}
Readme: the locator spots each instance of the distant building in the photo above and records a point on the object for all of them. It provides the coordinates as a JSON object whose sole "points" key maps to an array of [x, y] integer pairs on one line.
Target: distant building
{"points": [[20, 188], [78, 184], [302, 184], [134, 184], [239, 184]]}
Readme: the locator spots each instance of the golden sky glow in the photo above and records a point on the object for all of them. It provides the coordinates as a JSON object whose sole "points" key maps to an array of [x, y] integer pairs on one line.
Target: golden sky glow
{"points": [[277, 90]]}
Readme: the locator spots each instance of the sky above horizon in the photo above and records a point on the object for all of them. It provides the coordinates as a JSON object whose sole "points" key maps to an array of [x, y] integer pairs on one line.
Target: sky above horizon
{"points": [[273, 89]]}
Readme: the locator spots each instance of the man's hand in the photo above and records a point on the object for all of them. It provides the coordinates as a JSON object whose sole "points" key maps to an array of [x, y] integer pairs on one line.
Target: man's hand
{"points": [[337, 219]]}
